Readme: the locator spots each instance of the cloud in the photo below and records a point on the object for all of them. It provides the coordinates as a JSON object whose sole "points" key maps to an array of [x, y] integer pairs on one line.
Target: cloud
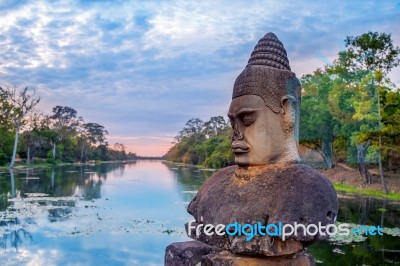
{"points": [[146, 67]]}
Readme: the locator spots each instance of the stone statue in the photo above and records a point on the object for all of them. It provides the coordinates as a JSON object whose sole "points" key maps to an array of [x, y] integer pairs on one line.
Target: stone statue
{"points": [[265, 108], [268, 184]]}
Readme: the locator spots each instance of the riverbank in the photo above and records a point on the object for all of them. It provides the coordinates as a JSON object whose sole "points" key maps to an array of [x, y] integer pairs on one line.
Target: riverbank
{"points": [[348, 180]]}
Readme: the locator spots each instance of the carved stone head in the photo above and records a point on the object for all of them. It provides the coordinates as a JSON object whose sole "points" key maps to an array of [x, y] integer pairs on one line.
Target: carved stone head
{"points": [[265, 107]]}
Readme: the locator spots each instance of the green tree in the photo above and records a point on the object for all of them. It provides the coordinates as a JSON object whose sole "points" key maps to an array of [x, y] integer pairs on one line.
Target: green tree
{"points": [[6, 135], [66, 123], [46, 132], [353, 103], [374, 52], [192, 127], [91, 133], [316, 121], [370, 51], [20, 104], [121, 151], [390, 105], [201, 143], [215, 126], [30, 134]]}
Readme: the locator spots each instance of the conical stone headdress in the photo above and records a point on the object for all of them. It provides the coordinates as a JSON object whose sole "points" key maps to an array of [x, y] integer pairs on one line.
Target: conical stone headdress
{"points": [[268, 74]]}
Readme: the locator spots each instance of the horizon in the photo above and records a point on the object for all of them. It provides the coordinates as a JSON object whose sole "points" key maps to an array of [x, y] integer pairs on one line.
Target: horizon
{"points": [[143, 69]]}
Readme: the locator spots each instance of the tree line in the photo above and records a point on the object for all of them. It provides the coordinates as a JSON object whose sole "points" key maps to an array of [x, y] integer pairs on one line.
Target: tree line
{"points": [[62, 136], [350, 112], [205, 143]]}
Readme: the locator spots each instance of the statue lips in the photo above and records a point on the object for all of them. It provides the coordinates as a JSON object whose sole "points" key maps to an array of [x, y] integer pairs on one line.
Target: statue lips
{"points": [[238, 147]]}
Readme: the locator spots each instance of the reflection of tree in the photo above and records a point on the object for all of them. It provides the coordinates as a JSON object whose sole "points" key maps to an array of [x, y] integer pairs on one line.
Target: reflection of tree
{"points": [[59, 214], [368, 211], [375, 250], [7, 191], [189, 179], [92, 189], [15, 238], [58, 181], [3, 200], [48, 189], [12, 183], [9, 222]]}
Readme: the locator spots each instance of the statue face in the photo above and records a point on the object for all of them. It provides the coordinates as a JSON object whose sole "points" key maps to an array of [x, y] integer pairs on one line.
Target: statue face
{"points": [[258, 138]]}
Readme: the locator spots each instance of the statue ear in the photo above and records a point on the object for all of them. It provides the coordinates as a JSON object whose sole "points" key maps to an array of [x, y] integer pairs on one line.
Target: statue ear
{"points": [[288, 103], [289, 111]]}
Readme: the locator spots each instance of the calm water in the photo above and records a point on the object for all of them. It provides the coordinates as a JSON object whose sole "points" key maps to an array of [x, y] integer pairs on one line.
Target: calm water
{"points": [[126, 214]]}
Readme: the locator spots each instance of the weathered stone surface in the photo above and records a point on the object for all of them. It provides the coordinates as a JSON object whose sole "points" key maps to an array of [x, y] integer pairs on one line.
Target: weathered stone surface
{"points": [[229, 259], [260, 136], [185, 253], [269, 194], [269, 51], [265, 246], [265, 82], [268, 74]]}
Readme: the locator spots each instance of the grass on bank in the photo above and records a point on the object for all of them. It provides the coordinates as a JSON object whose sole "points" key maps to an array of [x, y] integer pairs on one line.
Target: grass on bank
{"points": [[366, 192]]}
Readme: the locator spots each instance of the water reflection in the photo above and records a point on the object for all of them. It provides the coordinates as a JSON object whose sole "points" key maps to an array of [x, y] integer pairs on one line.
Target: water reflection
{"points": [[365, 250], [107, 213], [189, 179], [12, 183], [32, 194], [127, 214], [15, 239]]}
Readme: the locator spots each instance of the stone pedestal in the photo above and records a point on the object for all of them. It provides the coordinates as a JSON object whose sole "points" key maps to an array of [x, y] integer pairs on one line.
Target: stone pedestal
{"points": [[195, 253], [187, 253], [229, 259]]}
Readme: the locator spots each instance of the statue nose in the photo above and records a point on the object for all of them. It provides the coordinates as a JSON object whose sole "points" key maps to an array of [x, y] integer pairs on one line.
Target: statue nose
{"points": [[237, 134]]}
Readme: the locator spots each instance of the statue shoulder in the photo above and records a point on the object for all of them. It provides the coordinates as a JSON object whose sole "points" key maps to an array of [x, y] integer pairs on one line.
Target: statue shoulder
{"points": [[212, 186], [222, 175], [309, 197], [307, 176]]}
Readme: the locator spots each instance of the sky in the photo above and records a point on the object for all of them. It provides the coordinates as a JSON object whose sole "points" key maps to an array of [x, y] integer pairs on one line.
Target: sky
{"points": [[142, 69]]}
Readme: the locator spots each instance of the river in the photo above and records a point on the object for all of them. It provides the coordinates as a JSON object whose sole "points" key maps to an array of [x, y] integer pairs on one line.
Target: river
{"points": [[126, 214]]}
